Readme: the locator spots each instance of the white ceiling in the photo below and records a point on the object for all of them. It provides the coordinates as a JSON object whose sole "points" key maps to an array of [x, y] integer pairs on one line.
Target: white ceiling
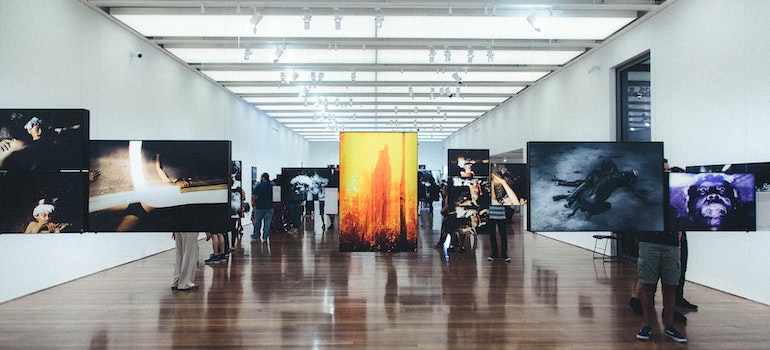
{"points": [[365, 77]]}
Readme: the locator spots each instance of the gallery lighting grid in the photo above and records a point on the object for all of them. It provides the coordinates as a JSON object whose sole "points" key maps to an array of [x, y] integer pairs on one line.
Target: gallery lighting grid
{"points": [[292, 74]]}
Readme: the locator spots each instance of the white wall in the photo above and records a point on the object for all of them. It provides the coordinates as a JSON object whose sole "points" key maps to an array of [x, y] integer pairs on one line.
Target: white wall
{"points": [[63, 54], [710, 63], [431, 154]]}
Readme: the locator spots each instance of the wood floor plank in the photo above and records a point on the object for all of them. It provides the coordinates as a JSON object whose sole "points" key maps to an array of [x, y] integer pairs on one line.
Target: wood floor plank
{"points": [[299, 292]]}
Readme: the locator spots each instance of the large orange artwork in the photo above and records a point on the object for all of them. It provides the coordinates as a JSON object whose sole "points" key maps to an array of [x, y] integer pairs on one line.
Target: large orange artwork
{"points": [[378, 192]]}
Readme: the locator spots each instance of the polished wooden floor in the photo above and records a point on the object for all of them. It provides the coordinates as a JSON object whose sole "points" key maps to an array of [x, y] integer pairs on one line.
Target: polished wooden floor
{"points": [[299, 292]]}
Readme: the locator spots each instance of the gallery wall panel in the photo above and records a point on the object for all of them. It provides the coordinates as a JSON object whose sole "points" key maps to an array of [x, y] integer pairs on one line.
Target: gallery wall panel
{"points": [[378, 191], [596, 186]]}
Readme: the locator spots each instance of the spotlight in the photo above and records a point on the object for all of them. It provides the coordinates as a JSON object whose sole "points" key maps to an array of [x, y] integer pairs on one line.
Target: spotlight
{"points": [[490, 56], [470, 54], [378, 18], [277, 53], [253, 21], [307, 17], [294, 76], [432, 55], [353, 76], [337, 18], [447, 54], [535, 22], [457, 78], [247, 53]]}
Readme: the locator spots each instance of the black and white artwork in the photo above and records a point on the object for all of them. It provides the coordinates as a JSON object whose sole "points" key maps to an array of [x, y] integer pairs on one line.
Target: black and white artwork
{"points": [[712, 202], [236, 189], [596, 186], [468, 162], [304, 184]]}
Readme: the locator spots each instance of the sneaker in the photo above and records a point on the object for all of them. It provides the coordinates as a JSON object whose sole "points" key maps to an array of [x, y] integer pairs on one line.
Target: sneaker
{"points": [[644, 333], [212, 259], [451, 249], [686, 304], [507, 260], [490, 258], [462, 249], [222, 257], [636, 305], [674, 334]]}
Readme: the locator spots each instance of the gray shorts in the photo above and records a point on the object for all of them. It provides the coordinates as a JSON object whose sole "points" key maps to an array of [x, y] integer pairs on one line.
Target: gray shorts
{"points": [[658, 261]]}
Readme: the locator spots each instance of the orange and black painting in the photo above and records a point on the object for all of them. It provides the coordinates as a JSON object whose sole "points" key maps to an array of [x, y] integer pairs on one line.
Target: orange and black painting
{"points": [[378, 192]]}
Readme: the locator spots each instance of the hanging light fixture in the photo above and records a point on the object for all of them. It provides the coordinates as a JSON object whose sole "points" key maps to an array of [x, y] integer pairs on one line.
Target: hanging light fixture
{"points": [[247, 53], [306, 17], [337, 18], [378, 17], [277, 53], [251, 25], [535, 22]]}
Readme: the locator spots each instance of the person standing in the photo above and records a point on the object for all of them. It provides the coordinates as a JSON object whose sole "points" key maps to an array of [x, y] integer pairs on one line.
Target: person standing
{"points": [[262, 200], [186, 261]]}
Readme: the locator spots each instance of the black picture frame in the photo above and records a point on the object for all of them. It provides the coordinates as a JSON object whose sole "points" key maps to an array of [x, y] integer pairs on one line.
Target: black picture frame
{"points": [[595, 186], [159, 186]]}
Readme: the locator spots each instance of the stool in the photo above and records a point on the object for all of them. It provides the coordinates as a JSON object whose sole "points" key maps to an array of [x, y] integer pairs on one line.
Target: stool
{"points": [[600, 252]]}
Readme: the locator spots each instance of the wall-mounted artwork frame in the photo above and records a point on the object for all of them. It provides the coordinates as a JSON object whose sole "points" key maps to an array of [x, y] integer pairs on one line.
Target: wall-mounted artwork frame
{"points": [[467, 162], [595, 186], [712, 202], [508, 184], [43, 139], [60, 196], [304, 184], [159, 186]]}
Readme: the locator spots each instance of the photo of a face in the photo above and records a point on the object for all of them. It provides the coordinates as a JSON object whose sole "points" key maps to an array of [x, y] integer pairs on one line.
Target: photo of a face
{"points": [[43, 139], [712, 202], [50, 202]]}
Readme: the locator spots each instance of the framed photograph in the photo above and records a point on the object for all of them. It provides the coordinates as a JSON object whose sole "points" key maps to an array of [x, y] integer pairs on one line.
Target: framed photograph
{"points": [[470, 200], [304, 184], [508, 184], [159, 186], [468, 163], [595, 186], [378, 192], [43, 139], [236, 189], [712, 202], [761, 172], [43, 202]]}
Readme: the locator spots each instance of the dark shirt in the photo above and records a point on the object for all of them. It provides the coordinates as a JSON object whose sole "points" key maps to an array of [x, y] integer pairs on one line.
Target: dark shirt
{"points": [[264, 193], [669, 238]]}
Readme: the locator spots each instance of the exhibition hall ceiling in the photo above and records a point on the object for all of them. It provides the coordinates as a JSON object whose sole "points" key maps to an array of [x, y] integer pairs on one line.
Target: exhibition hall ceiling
{"points": [[322, 67]]}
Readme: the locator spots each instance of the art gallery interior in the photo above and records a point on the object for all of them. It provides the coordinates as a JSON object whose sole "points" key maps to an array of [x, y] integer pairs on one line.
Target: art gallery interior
{"points": [[707, 61]]}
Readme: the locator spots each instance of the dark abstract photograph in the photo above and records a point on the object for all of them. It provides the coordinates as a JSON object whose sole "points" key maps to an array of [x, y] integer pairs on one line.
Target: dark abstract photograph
{"points": [[712, 202], [596, 186], [50, 202], [43, 139], [159, 186], [468, 162]]}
